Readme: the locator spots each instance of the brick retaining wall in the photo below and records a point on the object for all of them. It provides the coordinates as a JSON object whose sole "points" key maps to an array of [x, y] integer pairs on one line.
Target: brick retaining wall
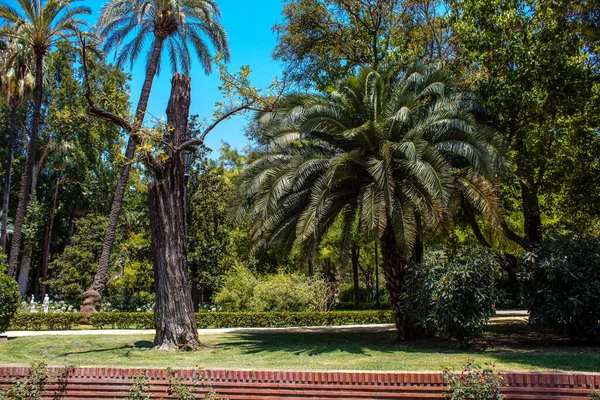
{"points": [[113, 383]]}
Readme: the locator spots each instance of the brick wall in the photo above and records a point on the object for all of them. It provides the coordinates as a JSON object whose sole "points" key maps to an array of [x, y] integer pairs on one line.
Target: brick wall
{"points": [[113, 383]]}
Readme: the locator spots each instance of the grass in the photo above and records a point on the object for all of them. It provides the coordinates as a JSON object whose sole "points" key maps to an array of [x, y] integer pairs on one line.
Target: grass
{"points": [[509, 343]]}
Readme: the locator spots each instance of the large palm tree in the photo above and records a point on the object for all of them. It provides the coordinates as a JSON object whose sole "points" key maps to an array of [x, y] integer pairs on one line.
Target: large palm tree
{"points": [[37, 24], [16, 81], [126, 26], [388, 155]]}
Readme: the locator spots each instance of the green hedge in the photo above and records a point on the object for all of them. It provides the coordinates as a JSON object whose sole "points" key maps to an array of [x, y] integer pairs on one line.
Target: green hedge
{"points": [[145, 320], [45, 321]]}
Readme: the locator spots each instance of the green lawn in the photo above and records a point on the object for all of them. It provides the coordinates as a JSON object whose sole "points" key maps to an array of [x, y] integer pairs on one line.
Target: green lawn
{"points": [[511, 346]]}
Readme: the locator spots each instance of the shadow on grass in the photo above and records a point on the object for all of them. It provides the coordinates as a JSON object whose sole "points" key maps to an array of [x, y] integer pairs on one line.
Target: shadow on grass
{"points": [[550, 353], [139, 345]]}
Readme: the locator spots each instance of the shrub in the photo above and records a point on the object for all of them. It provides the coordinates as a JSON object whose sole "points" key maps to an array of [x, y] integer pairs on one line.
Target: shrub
{"points": [[594, 395], [248, 320], [474, 383], [9, 299], [242, 291], [237, 290], [289, 292], [561, 286], [40, 321], [452, 297]]}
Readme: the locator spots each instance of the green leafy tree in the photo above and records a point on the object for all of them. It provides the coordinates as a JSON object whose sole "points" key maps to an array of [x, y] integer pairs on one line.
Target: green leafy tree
{"points": [[174, 25], [16, 81], [72, 271], [534, 65], [386, 154], [37, 25], [321, 41]]}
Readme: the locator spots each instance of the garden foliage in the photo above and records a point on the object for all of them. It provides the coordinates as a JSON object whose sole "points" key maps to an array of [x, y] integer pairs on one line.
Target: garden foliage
{"points": [[452, 296], [281, 292], [9, 297], [561, 282], [474, 383]]}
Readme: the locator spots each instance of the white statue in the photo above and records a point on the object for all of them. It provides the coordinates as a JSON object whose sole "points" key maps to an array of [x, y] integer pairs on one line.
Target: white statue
{"points": [[46, 303], [32, 303]]}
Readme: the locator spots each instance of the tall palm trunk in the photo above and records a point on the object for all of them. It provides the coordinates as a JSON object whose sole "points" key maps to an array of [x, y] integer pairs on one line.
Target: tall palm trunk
{"points": [[6, 194], [28, 172], [48, 240], [394, 270], [101, 278]]}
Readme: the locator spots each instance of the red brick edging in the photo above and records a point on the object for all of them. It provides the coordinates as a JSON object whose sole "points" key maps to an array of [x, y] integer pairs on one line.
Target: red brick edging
{"points": [[113, 383]]}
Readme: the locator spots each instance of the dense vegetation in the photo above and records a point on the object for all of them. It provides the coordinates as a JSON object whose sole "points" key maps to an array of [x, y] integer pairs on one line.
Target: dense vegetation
{"points": [[401, 134]]}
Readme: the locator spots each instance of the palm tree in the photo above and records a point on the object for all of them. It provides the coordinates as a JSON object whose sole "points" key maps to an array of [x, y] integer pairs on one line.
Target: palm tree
{"points": [[38, 25], [16, 80], [174, 24], [388, 156]]}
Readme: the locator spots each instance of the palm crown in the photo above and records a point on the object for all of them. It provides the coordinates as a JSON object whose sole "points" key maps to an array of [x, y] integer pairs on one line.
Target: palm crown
{"points": [[179, 23], [39, 25], [390, 156]]}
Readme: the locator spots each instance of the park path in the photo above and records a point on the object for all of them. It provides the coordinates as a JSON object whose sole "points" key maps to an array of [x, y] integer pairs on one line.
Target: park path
{"points": [[221, 331]]}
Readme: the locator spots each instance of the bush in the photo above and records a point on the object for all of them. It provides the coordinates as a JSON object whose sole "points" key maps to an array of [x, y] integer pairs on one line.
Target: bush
{"points": [[281, 292], [248, 320], [474, 383], [42, 321], [289, 292], [350, 306], [452, 297], [561, 286], [594, 395], [9, 299], [237, 290]]}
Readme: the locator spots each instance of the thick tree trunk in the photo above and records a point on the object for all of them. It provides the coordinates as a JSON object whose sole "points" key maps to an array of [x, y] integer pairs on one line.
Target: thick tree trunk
{"points": [[174, 318], [27, 173], [6, 189], [394, 270], [25, 269], [47, 241], [92, 297], [532, 220], [355, 280]]}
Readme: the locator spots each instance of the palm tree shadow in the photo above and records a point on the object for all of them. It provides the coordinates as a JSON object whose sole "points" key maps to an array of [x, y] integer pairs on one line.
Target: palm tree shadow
{"points": [[139, 345], [313, 343]]}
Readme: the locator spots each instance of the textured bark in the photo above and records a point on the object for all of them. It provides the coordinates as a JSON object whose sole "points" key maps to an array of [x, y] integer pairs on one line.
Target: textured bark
{"points": [[532, 220], [6, 189], [47, 241], [25, 269], [101, 276], [174, 319], [394, 270], [355, 258], [27, 173]]}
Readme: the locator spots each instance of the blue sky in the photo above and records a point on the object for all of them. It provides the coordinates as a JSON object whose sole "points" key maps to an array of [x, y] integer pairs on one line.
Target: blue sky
{"points": [[251, 41]]}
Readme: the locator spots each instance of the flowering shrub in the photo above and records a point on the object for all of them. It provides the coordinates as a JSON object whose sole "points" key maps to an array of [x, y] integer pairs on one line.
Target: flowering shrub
{"points": [[474, 383], [53, 306]]}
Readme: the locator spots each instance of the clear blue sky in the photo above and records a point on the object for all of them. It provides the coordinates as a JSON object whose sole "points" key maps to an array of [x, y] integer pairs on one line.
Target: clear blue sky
{"points": [[248, 24]]}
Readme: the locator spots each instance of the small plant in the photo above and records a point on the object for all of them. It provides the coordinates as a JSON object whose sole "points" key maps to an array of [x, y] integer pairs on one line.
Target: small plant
{"points": [[139, 389], [594, 395], [31, 387], [474, 383], [177, 389]]}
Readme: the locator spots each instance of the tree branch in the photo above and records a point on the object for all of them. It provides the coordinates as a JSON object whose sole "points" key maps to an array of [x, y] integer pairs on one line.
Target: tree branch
{"points": [[200, 140], [511, 235]]}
